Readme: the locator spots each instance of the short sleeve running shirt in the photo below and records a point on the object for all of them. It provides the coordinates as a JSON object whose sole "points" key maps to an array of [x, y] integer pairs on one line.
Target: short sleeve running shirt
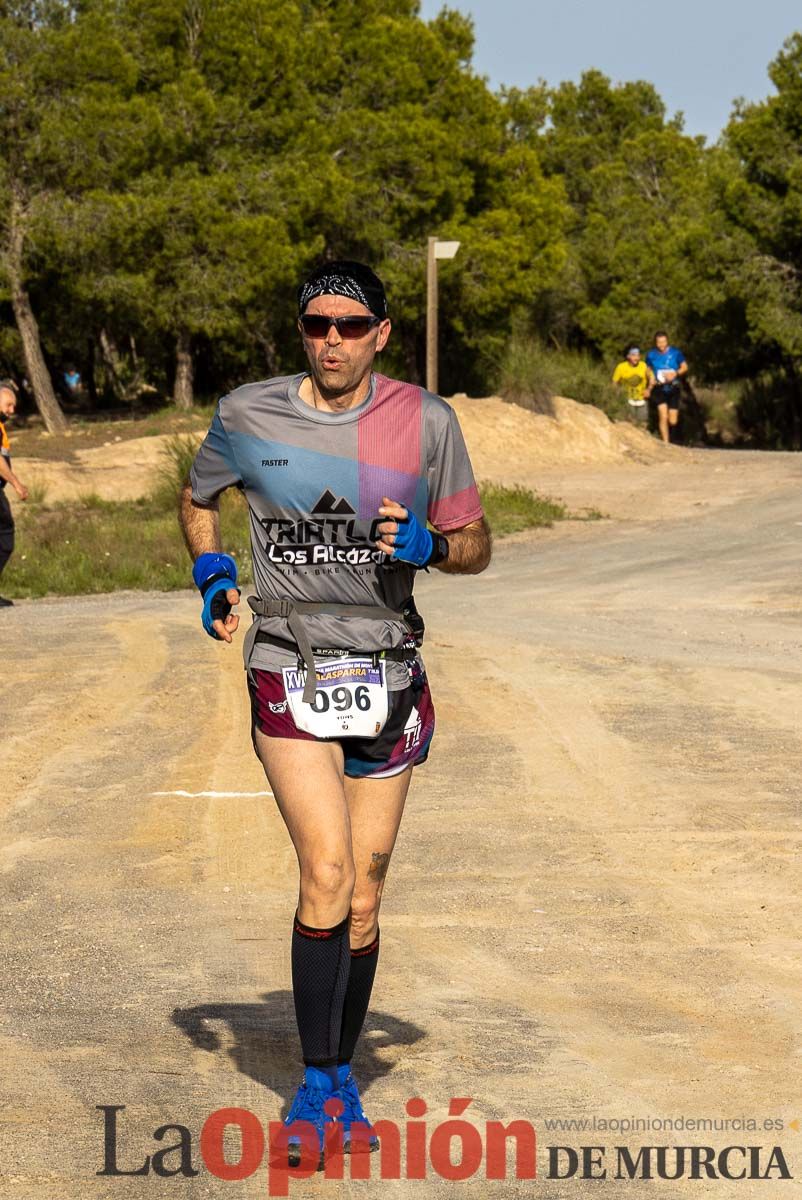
{"points": [[633, 377], [670, 360], [314, 481]]}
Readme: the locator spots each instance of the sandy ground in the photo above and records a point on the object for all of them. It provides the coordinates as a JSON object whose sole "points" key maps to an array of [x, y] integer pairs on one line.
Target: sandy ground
{"points": [[592, 909]]}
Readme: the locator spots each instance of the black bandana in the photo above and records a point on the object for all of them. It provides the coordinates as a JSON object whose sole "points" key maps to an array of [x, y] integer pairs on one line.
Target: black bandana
{"points": [[345, 278]]}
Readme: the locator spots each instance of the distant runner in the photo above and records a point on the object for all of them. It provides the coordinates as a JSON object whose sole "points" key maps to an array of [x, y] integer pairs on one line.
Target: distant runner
{"points": [[668, 366], [342, 468], [8, 406], [635, 377]]}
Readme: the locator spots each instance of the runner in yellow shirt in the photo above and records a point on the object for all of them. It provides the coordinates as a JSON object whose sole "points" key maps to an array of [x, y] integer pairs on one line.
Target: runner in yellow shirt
{"points": [[637, 380]]}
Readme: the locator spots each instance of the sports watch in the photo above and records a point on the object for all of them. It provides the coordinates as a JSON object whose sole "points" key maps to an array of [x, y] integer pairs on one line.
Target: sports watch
{"points": [[439, 549]]}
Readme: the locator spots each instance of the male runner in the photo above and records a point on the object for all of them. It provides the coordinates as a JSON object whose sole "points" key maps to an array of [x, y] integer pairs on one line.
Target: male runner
{"points": [[633, 374], [341, 468], [667, 365], [8, 406]]}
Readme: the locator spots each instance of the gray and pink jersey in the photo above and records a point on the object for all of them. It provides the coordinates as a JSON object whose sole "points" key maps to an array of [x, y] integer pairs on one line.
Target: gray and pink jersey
{"points": [[314, 481]]}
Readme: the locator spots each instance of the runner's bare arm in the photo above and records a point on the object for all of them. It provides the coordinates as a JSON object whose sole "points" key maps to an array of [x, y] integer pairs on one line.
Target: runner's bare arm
{"points": [[200, 525], [469, 549]]}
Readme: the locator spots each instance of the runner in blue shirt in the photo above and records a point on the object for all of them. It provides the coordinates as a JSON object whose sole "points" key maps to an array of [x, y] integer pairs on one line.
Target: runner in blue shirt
{"points": [[667, 365]]}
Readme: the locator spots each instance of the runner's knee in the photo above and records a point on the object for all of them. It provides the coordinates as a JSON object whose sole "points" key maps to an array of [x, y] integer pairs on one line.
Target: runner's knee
{"points": [[364, 917], [327, 880]]}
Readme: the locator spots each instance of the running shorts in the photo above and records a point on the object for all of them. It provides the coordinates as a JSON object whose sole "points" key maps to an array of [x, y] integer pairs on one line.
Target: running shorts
{"points": [[403, 742], [666, 393]]}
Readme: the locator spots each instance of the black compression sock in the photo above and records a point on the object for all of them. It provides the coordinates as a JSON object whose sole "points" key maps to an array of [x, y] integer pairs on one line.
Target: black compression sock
{"points": [[357, 997], [321, 962]]}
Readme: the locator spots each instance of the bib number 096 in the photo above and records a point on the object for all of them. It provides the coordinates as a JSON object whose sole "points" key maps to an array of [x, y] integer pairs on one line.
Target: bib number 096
{"points": [[350, 698], [341, 699]]}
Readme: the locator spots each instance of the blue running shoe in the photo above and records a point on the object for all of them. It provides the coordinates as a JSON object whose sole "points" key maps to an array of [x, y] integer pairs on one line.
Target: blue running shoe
{"points": [[354, 1114], [316, 1089]]}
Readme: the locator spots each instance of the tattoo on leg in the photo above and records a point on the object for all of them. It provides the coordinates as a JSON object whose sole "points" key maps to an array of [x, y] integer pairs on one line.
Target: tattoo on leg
{"points": [[378, 867]]}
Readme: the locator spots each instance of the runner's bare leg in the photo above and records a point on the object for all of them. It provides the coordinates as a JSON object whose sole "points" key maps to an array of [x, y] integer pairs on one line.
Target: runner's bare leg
{"points": [[343, 831], [307, 782], [376, 807], [662, 417]]}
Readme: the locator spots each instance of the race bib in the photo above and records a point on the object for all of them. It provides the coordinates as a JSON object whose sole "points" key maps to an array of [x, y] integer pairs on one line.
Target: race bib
{"points": [[350, 698]]}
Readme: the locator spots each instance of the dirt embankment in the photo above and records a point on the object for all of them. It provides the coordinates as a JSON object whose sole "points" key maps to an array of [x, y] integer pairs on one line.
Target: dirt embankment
{"points": [[507, 441], [123, 470], [591, 463]]}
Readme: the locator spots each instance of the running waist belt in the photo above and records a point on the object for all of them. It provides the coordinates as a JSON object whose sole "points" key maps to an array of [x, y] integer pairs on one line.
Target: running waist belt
{"points": [[292, 612], [399, 654]]}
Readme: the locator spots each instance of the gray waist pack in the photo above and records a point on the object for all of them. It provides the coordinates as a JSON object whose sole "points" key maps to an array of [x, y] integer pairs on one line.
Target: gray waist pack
{"points": [[293, 612]]}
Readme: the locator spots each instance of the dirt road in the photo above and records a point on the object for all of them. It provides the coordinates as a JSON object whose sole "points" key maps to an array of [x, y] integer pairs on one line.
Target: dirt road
{"points": [[592, 909]]}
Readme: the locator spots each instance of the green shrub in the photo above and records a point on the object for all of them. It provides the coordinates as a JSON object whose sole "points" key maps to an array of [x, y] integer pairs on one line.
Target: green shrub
{"points": [[509, 509], [769, 411], [530, 374], [177, 458], [37, 495], [99, 545]]}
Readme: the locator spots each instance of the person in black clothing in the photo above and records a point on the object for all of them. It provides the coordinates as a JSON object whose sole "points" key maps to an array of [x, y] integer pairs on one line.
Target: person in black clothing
{"points": [[8, 405]]}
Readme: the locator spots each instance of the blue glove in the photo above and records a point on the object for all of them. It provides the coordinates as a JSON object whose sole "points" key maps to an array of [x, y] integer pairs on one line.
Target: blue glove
{"points": [[413, 542], [214, 574]]}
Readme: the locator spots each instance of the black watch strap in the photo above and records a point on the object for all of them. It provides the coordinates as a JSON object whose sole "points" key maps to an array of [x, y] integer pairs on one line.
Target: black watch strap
{"points": [[439, 549]]}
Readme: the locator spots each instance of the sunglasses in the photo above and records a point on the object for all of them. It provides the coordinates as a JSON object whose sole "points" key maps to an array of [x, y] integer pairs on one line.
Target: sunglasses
{"points": [[316, 325]]}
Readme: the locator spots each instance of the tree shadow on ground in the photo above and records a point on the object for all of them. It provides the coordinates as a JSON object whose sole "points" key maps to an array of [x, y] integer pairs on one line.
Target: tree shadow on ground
{"points": [[264, 1040]]}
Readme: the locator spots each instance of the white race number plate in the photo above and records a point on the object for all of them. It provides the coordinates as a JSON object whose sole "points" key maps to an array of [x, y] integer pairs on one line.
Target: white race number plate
{"points": [[350, 698]]}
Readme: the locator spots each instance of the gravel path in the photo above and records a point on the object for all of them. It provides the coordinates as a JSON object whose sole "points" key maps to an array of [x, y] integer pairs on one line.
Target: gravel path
{"points": [[591, 909]]}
